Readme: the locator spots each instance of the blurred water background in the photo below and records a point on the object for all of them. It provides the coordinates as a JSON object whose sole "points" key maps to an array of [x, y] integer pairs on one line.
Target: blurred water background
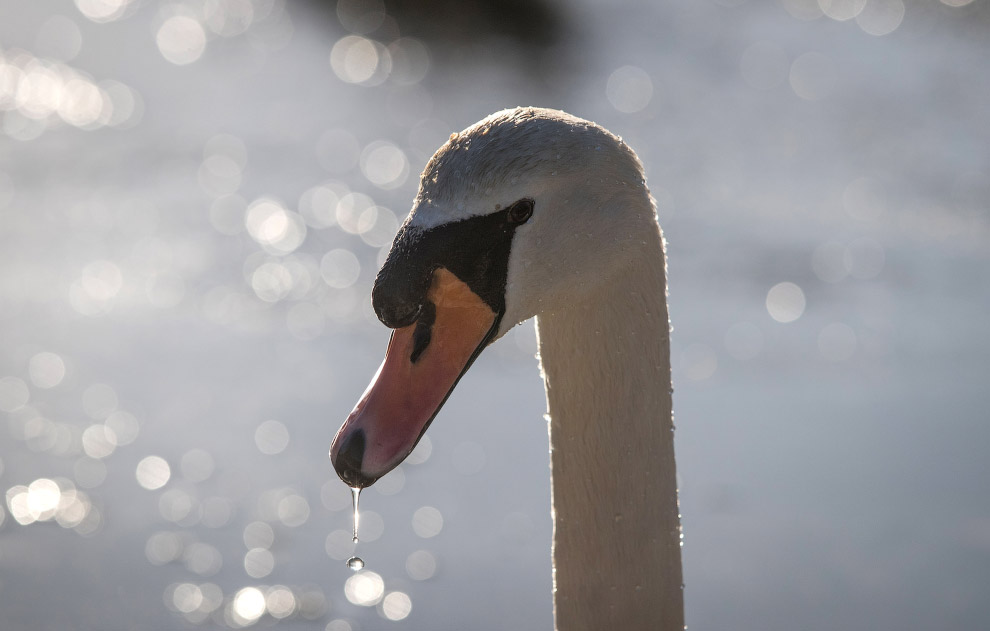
{"points": [[195, 197]]}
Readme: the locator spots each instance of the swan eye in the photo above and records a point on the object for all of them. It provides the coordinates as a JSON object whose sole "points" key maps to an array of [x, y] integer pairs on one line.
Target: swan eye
{"points": [[521, 211]]}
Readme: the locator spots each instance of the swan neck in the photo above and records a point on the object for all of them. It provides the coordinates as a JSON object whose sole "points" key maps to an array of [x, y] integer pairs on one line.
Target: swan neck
{"points": [[606, 363]]}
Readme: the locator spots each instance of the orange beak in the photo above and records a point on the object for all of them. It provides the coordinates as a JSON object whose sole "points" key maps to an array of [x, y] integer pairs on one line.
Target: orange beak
{"points": [[423, 363]]}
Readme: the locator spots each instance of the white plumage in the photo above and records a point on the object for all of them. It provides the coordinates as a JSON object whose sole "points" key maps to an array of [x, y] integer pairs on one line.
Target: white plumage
{"points": [[590, 266]]}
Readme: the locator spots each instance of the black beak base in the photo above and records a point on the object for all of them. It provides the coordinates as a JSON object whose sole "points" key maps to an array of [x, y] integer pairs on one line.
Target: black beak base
{"points": [[348, 462]]}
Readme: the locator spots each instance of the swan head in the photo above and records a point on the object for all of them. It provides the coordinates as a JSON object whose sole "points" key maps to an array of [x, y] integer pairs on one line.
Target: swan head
{"points": [[527, 211]]}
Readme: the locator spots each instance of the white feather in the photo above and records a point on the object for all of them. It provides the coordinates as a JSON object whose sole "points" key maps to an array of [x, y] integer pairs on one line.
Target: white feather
{"points": [[590, 266]]}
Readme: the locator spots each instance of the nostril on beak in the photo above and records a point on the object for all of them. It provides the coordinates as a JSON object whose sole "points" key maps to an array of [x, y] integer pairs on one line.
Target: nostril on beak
{"points": [[396, 315], [348, 461], [400, 288]]}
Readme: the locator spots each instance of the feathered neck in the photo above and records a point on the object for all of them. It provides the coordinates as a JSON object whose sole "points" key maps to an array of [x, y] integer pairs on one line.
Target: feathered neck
{"points": [[605, 360]]}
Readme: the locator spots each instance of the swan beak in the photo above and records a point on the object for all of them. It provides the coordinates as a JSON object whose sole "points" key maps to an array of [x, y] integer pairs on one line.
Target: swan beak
{"points": [[422, 365]]}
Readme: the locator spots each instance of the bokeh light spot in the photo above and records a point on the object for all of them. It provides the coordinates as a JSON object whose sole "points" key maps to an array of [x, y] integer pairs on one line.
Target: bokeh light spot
{"points": [[785, 302], [126, 105], [271, 281], [318, 205], [228, 18], [83, 104], [153, 472], [410, 61], [372, 525], [293, 511], [186, 597], [248, 605], [259, 534], [98, 441], [100, 282], [202, 559], [181, 40], [227, 146], [396, 606], [219, 175], [196, 465], [360, 16], [421, 565], [841, 10], [280, 602], [364, 588], [422, 452], [427, 522], [881, 17], [277, 229], [355, 59], [17, 504], [102, 10], [378, 226], [43, 496], [339, 268], [124, 426], [312, 603], [271, 437], [163, 547], [392, 483], [350, 209], [259, 562], [176, 505], [58, 38], [74, 509], [629, 89], [46, 370], [384, 164], [14, 394]]}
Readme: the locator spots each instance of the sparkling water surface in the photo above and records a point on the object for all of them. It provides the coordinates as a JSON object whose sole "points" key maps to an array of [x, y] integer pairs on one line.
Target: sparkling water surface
{"points": [[195, 198]]}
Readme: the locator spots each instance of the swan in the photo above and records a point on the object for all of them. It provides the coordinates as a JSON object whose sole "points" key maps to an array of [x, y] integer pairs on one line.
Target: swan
{"points": [[534, 212]]}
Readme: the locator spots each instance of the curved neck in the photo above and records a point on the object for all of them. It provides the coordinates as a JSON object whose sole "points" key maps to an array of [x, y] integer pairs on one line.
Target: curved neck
{"points": [[606, 363]]}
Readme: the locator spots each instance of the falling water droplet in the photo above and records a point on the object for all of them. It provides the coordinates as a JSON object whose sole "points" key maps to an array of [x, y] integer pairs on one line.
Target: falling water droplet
{"points": [[355, 563], [355, 497]]}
